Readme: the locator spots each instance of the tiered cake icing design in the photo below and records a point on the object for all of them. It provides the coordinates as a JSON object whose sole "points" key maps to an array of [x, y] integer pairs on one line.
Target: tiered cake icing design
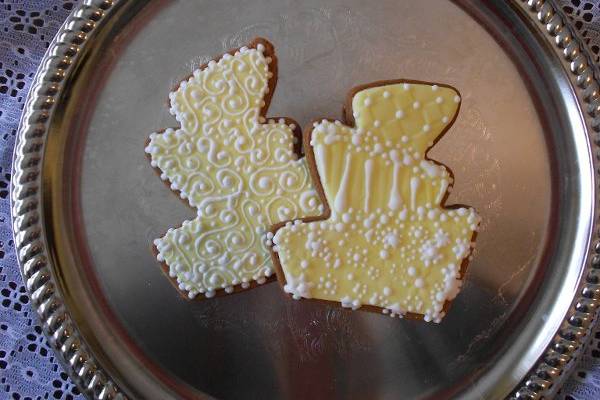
{"points": [[388, 242], [240, 171]]}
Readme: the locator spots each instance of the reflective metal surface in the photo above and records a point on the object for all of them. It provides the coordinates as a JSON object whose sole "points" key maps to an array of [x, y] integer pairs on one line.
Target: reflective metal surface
{"points": [[519, 151]]}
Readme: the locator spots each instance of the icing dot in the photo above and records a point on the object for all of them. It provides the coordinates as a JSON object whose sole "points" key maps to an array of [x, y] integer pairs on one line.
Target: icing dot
{"points": [[406, 86], [227, 182], [445, 119], [377, 123], [439, 100], [264, 182], [383, 254], [416, 105], [426, 128], [386, 94], [392, 240], [434, 88], [412, 271], [367, 102], [303, 264], [387, 291], [419, 283]]}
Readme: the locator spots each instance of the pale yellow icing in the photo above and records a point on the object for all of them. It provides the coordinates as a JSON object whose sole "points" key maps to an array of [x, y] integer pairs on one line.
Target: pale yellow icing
{"points": [[388, 242], [239, 171]]}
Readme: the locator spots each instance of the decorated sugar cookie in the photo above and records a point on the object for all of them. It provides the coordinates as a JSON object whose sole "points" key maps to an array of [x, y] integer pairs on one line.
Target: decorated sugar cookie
{"points": [[240, 172], [386, 242]]}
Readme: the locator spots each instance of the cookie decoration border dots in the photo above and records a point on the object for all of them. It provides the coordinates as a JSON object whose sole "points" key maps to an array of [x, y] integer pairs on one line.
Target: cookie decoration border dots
{"points": [[62, 332]]}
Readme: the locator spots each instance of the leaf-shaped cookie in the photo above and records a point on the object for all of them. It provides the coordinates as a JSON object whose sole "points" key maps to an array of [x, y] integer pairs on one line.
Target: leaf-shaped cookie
{"points": [[386, 242], [240, 171]]}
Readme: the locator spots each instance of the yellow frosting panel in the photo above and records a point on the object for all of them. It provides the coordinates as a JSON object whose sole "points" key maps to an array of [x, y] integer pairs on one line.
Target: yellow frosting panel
{"points": [[388, 242], [239, 171]]}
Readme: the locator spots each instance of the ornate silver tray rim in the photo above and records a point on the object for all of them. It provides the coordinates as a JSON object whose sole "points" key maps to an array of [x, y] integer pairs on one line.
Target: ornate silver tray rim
{"points": [[26, 197]]}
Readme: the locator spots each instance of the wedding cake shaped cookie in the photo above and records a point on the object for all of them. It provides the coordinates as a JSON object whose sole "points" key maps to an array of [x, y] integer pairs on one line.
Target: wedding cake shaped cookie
{"points": [[386, 241]]}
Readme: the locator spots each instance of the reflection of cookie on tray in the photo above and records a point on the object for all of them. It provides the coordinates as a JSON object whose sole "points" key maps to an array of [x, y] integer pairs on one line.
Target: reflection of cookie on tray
{"points": [[386, 241], [240, 172]]}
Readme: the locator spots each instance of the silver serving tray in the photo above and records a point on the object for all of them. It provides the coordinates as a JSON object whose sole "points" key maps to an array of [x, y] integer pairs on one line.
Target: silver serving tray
{"points": [[87, 204]]}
